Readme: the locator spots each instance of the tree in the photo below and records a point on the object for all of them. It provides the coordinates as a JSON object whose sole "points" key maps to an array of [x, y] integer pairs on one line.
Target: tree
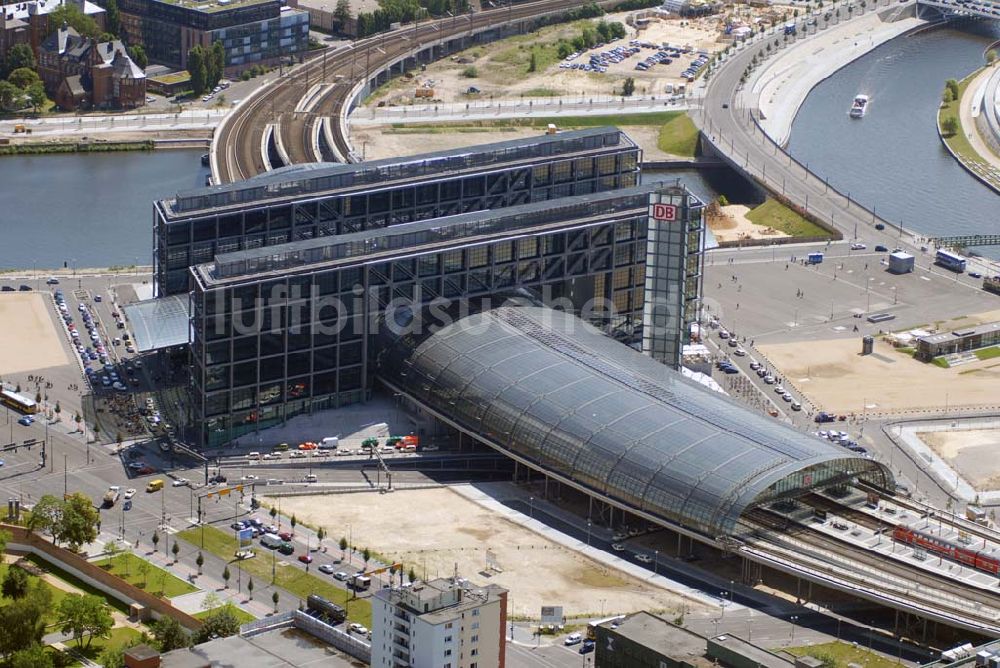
{"points": [[175, 550], [320, 534], [46, 516], [144, 570], [15, 583], [34, 656], [220, 624], [10, 96], [366, 554], [295, 521], [138, 56], [226, 575], [533, 62], [58, 408], [343, 546], [70, 14], [36, 95], [274, 599], [946, 95], [211, 601], [22, 620], [342, 13], [217, 67], [200, 561], [274, 512], [949, 126], [628, 88], [198, 69], [22, 78], [86, 615], [170, 634], [250, 588], [156, 540], [991, 56], [411, 575], [952, 85], [19, 55], [79, 520], [112, 19]]}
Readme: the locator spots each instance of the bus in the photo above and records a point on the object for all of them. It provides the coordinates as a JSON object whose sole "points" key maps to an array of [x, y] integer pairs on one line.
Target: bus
{"points": [[592, 626], [18, 402], [949, 260]]}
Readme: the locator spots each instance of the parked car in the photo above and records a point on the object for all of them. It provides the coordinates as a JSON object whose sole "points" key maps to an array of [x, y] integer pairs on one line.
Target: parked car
{"points": [[306, 558], [326, 568]]}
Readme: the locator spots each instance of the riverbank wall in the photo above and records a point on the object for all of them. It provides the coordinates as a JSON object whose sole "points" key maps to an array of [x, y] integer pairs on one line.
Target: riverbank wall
{"points": [[39, 148]]}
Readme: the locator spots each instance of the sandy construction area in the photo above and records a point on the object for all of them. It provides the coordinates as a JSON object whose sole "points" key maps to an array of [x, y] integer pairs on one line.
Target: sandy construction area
{"points": [[837, 378], [29, 339], [433, 530], [501, 67], [973, 453], [732, 225]]}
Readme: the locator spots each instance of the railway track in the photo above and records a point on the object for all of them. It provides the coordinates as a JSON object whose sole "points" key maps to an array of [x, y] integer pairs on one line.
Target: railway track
{"points": [[814, 550], [236, 144]]}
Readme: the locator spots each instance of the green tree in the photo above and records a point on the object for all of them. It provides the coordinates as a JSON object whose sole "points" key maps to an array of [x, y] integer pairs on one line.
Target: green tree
{"points": [[320, 534], [274, 599], [19, 55], [36, 95], [226, 575], [170, 634], [250, 588], [175, 550], [144, 571], [343, 546], [949, 126], [946, 96], [366, 554], [295, 521], [211, 601], [952, 85], [70, 14], [22, 620], [220, 624], [156, 540], [273, 512], [628, 88], [112, 19], [533, 62], [411, 575], [23, 77], [10, 96], [79, 520], [15, 583], [991, 56], [46, 516], [138, 55], [86, 615], [200, 561], [343, 12], [470, 72], [217, 68], [198, 69], [33, 656]]}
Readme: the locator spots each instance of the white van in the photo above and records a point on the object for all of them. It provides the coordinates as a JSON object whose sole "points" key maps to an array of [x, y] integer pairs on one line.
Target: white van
{"points": [[253, 456], [573, 639], [271, 541], [329, 443]]}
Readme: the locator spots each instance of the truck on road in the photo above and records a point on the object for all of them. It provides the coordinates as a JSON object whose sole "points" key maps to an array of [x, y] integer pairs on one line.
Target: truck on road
{"points": [[111, 496], [814, 258]]}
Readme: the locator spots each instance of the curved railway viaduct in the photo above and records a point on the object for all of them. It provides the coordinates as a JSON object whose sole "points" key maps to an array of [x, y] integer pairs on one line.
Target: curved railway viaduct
{"points": [[302, 117]]}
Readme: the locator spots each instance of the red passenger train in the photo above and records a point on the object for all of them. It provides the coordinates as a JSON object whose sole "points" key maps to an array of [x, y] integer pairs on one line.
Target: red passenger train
{"points": [[961, 554]]}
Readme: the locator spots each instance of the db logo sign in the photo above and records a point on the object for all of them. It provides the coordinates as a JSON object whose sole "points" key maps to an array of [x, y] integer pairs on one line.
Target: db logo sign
{"points": [[667, 212]]}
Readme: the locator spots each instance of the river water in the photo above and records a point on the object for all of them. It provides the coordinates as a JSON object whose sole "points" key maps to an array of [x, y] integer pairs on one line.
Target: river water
{"points": [[892, 159], [87, 210], [95, 210]]}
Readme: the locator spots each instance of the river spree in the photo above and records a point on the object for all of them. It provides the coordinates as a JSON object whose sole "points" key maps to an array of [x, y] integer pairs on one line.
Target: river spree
{"points": [[87, 210], [892, 159]]}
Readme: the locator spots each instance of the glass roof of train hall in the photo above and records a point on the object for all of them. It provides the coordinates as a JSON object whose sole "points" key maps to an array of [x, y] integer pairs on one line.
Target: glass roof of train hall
{"points": [[547, 387]]}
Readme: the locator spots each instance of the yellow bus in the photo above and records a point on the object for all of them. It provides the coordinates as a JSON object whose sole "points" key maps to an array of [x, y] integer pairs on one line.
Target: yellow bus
{"points": [[18, 402]]}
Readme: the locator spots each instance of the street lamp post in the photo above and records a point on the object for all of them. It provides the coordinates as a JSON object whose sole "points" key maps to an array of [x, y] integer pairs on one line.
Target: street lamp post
{"points": [[588, 533], [793, 619], [531, 507], [656, 561]]}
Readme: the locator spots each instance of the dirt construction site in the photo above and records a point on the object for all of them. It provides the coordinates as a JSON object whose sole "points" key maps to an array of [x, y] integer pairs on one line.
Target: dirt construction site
{"points": [[972, 452], [31, 341], [500, 70], [436, 530]]}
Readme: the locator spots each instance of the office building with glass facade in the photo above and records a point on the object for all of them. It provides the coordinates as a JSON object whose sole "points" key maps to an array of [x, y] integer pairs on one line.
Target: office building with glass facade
{"points": [[285, 330], [310, 201]]}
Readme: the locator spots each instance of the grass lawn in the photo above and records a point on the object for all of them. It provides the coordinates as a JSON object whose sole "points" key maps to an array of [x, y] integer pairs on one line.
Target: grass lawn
{"points": [[988, 353], [678, 136], [958, 142], [289, 577], [773, 213], [941, 362], [842, 653], [76, 582], [156, 580], [119, 637], [241, 615]]}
